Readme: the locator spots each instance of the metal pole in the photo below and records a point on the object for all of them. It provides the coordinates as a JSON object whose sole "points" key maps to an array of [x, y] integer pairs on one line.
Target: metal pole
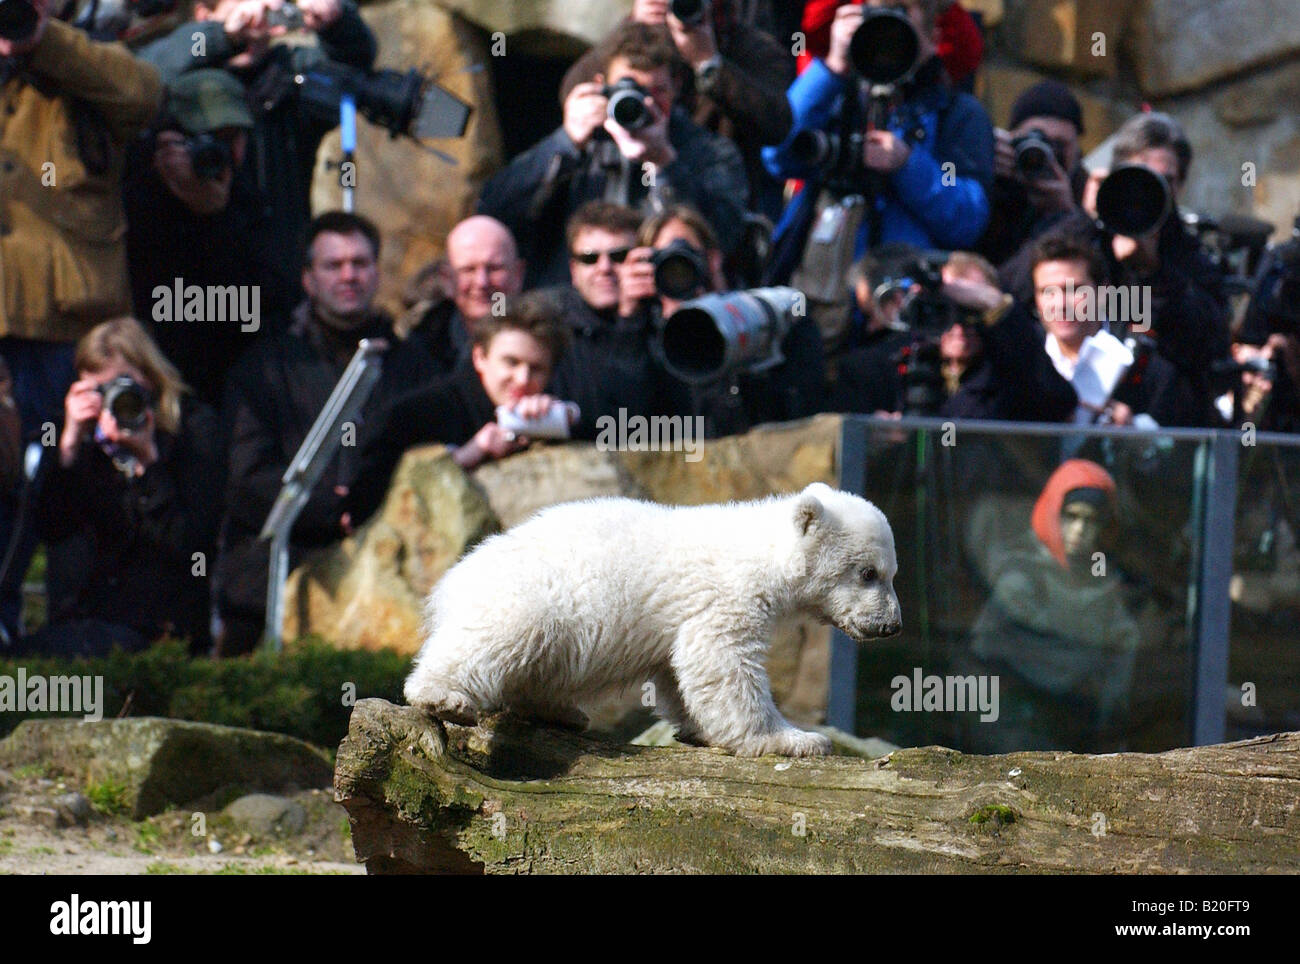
{"points": [[841, 700], [307, 466], [1217, 470]]}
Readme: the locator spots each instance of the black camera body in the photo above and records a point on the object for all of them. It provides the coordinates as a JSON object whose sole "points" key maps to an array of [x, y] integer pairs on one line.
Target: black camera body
{"points": [[627, 106], [680, 270], [689, 12], [927, 314], [209, 155], [18, 19], [127, 401], [1033, 154]]}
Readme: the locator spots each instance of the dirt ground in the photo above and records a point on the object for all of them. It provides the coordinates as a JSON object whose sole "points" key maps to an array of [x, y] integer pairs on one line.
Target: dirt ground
{"points": [[36, 839]]}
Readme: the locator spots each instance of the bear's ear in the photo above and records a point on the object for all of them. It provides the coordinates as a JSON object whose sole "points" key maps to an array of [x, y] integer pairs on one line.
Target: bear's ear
{"points": [[807, 512]]}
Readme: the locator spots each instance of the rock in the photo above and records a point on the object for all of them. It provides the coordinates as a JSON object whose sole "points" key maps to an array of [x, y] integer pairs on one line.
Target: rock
{"points": [[214, 846], [1080, 37], [424, 797], [40, 814], [1185, 45], [413, 195], [547, 27], [166, 762], [518, 487], [73, 809], [368, 592], [268, 816]]}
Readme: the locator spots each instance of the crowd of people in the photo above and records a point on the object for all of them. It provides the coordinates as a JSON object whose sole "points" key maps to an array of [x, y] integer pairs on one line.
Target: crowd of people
{"points": [[173, 319]]}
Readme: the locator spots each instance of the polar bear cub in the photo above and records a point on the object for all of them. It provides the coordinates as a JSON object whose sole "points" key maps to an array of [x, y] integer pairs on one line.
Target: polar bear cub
{"points": [[610, 593]]}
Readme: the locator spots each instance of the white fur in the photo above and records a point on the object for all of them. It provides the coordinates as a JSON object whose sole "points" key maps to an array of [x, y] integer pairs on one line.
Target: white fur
{"points": [[589, 596]]}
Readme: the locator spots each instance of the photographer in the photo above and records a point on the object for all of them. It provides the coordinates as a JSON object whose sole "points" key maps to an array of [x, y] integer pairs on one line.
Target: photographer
{"points": [[734, 83], [127, 502], [923, 170], [678, 260], [70, 107], [192, 221], [1269, 340], [660, 159], [1039, 175], [510, 365], [608, 365], [235, 35]]}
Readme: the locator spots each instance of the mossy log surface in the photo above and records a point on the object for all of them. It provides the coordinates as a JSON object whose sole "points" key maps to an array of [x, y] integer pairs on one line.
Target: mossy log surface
{"points": [[511, 796]]}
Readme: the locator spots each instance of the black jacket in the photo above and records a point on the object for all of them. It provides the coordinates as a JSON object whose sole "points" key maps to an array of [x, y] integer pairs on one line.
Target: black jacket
{"points": [[123, 550], [168, 243], [450, 410], [538, 191], [273, 396], [1015, 380]]}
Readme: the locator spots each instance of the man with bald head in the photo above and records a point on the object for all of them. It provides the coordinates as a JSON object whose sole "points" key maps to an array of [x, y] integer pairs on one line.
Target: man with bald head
{"points": [[482, 268]]}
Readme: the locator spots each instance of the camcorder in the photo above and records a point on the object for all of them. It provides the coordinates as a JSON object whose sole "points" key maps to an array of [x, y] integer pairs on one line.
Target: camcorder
{"points": [[18, 19], [627, 106], [402, 103], [1033, 154], [689, 12], [711, 338], [127, 401], [680, 270]]}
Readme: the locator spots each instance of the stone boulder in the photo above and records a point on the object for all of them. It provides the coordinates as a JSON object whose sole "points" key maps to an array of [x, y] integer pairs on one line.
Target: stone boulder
{"points": [[544, 27], [160, 763], [1077, 37]]}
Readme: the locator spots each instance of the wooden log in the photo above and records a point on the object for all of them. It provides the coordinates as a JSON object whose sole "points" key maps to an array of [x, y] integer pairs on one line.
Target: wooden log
{"points": [[511, 796]]}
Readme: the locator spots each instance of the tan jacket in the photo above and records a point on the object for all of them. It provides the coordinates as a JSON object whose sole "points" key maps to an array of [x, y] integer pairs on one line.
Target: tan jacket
{"points": [[62, 227]]}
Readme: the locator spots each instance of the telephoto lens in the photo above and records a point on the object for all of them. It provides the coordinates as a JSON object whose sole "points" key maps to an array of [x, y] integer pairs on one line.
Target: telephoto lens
{"points": [[715, 335], [18, 19], [885, 48], [1133, 200]]}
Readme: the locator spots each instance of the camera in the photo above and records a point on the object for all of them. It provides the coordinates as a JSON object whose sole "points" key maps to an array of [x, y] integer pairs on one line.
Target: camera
{"points": [[209, 155], [885, 48], [1133, 201], [927, 314], [711, 337], [127, 401], [826, 151], [627, 106], [18, 19], [402, 103], [1033, 154], [1277, 292], [680, 270], [689, 12]]}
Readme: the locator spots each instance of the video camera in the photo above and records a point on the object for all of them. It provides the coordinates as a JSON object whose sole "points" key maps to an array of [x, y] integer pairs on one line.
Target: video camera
{"points": [[712, 337], [402, 103]]}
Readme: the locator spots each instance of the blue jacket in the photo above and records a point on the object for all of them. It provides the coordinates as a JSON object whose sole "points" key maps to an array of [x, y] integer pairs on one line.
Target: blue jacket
{"points": [[941, 125]]}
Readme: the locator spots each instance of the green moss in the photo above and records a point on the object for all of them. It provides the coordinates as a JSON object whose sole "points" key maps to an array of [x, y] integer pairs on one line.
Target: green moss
{"points": [[108, 796], [993, 816]]}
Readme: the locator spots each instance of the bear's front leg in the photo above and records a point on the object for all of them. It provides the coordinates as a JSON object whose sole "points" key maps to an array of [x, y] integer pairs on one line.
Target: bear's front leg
{"points": [[725, 690]]}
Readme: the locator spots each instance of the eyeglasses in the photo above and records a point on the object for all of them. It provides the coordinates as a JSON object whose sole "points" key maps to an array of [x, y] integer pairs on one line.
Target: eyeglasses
{"points": [[617, 255]]}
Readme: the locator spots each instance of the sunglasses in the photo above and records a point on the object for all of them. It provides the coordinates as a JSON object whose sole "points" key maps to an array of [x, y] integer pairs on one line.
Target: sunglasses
{"points": [[617, 255]]}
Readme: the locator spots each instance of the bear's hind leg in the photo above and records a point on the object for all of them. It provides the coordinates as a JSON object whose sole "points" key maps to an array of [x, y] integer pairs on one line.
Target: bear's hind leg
{"points": [[670, 707]]}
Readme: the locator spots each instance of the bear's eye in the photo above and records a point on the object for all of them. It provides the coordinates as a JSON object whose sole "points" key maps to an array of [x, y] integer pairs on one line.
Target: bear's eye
{"points": [[869, 574]]}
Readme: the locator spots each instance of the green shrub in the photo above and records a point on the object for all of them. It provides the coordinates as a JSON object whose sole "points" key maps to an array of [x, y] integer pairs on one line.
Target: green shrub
{"points": [[299, 692]]}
